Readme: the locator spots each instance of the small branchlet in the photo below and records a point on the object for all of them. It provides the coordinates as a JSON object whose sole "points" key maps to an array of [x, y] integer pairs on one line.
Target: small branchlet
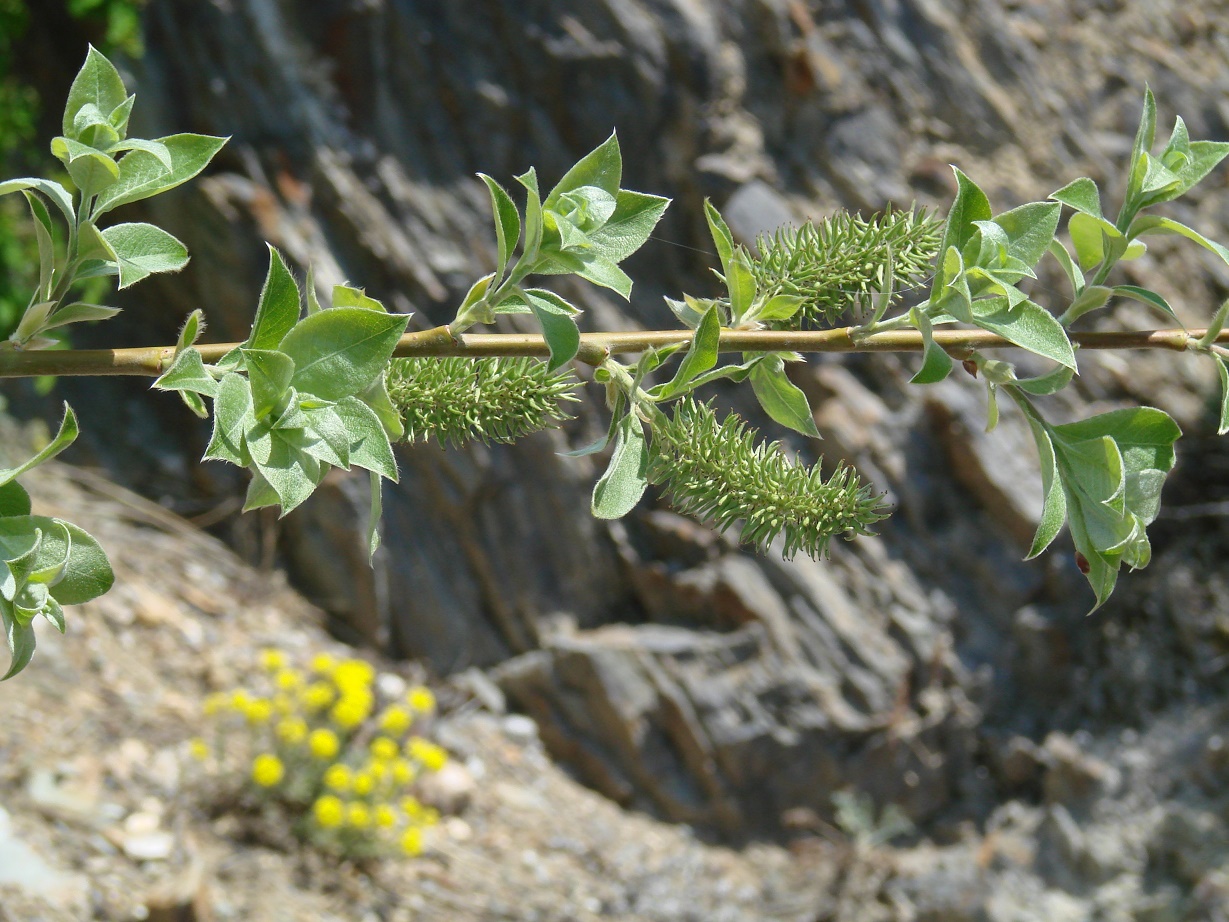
{"points": [[837, 263], [457, 400], [717, 471]]}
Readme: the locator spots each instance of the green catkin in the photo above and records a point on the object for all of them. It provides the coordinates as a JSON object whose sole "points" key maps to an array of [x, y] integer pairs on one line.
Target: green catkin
{"points": [[456, 400], [717, 471], [836, 264]]}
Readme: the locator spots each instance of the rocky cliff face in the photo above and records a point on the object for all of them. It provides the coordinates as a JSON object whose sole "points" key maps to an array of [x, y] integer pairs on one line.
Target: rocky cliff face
{"points": [[674, 671]]}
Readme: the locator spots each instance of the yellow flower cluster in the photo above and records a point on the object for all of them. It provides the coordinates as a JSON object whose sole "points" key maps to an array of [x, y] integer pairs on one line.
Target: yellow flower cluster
{"points": [[322, 741]]}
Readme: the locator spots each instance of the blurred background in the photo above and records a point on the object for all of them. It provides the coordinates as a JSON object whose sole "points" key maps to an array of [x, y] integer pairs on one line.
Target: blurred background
{"points": [[1050, 765]]}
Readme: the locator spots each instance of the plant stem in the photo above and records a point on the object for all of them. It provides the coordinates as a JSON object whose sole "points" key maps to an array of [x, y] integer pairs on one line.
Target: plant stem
{"points": [[595, 347]]}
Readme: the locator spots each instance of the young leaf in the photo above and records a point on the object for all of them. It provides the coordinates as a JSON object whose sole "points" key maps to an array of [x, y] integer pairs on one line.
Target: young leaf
{"points": [[507, 222], [1155, 224], [557, 318], [338, 353], [53, 190], [232, 419], [377, 512], [1144, 136], [1082, 195], [971, 205], [142, 174], [1091, 298], [722, 238], [781, 398], [269, 373], [369, 447], [279, 306], [740, 283], [533, 216], [601, 167], [187, 373], [291, 472], [606, 274], [1223, 371], [14, 500], [1029, 230], [88, 573], [624, 482], [143, 249], [936, 363], [66, 435], [325, 437], [1149, 297], [97, 83], [260, 494], [43, 232], [349, 296], [635, 216], [20, 638], [701, 356], [1029, 326]]}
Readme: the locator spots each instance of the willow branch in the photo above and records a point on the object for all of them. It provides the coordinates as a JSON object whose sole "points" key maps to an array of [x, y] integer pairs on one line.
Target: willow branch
{"points": [[595, 347]]}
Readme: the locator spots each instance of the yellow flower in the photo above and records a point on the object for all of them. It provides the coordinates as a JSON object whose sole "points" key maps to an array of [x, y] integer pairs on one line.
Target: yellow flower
{"points": [[353, 674], [272, 660], [420, 699], [412, 807], [329, 811], [267, 770], [259, 711], [198, 749], [364, 782], [214, 703], [395, 720], [283, 704], [292, 730], [239, 700], [430, 816], [411, 842], [323, 664], [323, 743], [384, 748], [358, 815], [386, 816], [432, 757], [338, 777], [317, 696], [287, 679], [379, 770], [403, 772], [349, 712]]}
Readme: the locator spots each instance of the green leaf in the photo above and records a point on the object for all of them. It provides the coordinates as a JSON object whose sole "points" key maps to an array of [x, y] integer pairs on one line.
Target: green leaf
{"points": [[53, 190], [722, 238], [533, 215], [156, 148], [970, 206], [1155, 224], [269, 373], [778, 307], [143, 249], [120, 114], [1029, 229], [92, 172], [624, 482], [14, 500], [232, 419], [293, 473], [187, 373], [260, 494], [43, 232], [325, 437], [313, 301], [936, 363], [635, 216], [701, 356], [141, 174], [1144, 136], [66, 435], [586, 209], [87, 574], [1145, 435], [369, 446], [1223, 371], [373, 518], [781, 398], [1074, 275], [606, 274], [1050, 383], [349, 296], [190, 332], [1204, 157], [507, 222], [278, 310], [1149, 297], [376, 396], [1029, 326], [1090, 299], [338, 353], [557, 318], [20, 639], [601, 167], [1095, 239], [740, 283], [97, 83], [1082, 195]]}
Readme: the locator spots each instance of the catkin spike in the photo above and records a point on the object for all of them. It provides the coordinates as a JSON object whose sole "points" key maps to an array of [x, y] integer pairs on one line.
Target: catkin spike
{"points": [[456, 400], [835, 264], [717, 471]]}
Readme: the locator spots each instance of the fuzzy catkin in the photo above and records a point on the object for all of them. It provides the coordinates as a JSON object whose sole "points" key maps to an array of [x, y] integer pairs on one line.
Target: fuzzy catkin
{"points": [[717, 471], [456, 400], [835, 264]]}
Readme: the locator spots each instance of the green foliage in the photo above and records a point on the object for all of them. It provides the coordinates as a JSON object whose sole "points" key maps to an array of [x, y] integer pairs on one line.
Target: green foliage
{"points": [[456, 400]]}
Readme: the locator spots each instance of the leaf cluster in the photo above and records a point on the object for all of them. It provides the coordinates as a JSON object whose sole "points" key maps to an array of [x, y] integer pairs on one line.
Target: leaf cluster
{"points": [[301, 395], [45, 563]]}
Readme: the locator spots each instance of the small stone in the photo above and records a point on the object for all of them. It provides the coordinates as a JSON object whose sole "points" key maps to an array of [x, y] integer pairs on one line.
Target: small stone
{"points": [[520, 729], [152, 846], [449, 790]]}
